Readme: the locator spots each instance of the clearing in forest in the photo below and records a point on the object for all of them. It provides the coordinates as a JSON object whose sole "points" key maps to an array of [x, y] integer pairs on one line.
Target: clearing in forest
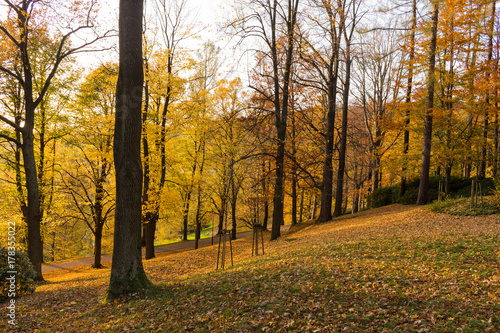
{"points": [[392, 269]]}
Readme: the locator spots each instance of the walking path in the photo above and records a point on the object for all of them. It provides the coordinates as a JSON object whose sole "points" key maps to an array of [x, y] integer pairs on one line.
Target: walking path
{"points": [[105, 258]]}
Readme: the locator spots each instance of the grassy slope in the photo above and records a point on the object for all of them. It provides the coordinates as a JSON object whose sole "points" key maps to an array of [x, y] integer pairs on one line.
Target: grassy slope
{"points": [[392, 269]]}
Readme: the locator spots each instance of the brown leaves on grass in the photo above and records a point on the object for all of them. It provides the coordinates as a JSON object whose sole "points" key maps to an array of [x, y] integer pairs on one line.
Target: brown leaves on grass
{"points": [[394, 269]]}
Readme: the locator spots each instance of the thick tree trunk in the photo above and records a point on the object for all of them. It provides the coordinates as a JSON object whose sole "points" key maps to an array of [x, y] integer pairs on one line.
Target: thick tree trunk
{"points": [[426, 150], [281, 113], [127, 272], [325, 213], [35, 250], [97, 247], [150, 229], [278, 186], [19, 181]]}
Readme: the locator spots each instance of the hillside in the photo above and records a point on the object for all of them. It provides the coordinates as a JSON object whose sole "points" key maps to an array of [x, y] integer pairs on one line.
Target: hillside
{"points": [[391, 269]]}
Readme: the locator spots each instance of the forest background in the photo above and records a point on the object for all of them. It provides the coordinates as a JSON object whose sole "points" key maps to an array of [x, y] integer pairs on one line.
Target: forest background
{"points": [[276, 114]]}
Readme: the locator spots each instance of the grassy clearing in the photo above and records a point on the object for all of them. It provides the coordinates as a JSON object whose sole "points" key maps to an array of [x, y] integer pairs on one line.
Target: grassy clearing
{"points": [[461, 206], [393, 269]]}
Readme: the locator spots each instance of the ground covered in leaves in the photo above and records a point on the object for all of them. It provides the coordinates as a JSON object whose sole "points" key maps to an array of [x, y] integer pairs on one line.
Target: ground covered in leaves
{"points": [[392, 269]]}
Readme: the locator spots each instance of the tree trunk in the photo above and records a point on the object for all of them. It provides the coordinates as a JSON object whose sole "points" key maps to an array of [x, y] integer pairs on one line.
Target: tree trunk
{"points": [[495, 143], [97, 247], [375, 174], [127, 272], [185, 219], [301, 209], [150, 229], [343, 140], [199, 197], [491, 33], [35, 250], [294, 174], [325, 213], [281, 113], [409, 87], [447, 179], [278, 186], [313, 210], [233, 218], [426, 150], [264, 195]]}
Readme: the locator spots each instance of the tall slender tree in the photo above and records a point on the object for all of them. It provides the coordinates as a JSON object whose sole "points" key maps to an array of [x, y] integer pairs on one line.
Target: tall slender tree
{"points": [[267, 21], [324, 59], [409, 89], [348, 35], [429, 105]]}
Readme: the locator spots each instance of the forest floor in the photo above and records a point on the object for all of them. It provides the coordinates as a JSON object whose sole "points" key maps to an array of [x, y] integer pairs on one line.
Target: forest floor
{"points": [[392, 269], [106, 258]]}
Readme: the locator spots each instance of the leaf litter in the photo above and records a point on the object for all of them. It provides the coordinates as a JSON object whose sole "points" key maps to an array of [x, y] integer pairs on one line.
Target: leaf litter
{"points": [[391, 269]]}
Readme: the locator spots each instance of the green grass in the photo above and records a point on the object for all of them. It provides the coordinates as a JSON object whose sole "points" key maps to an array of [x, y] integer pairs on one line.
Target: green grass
{"points": [[447, 285], [462, 207], [395, 269], [205, 233]]}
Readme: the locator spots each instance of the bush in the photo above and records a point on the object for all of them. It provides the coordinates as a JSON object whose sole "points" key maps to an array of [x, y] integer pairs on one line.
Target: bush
{"points": [[410, 197], [459, 187], [383, 196], [25, 274]]}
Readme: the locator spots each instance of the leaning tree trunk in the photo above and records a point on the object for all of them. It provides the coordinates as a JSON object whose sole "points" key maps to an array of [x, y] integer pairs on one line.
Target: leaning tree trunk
{"points": [[127, 272]]}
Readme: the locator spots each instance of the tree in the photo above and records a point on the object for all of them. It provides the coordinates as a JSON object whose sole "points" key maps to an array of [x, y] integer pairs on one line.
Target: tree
{"points": [[266, 21], [324, 59], [175, 26], [23, 17], [426, 149], [348, 35], [127, 272], [91, 169], [409, 88], [377, 85]]}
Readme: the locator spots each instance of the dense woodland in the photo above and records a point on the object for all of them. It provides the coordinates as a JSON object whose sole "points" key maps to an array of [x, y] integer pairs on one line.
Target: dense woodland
{"points": [[334, 103]]}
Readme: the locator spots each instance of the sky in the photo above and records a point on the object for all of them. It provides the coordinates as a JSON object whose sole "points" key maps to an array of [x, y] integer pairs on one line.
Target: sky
{"points": [[208, 11]]}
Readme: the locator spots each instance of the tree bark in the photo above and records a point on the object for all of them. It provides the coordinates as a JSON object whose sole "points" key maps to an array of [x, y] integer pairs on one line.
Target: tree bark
{"points": [[343, 140], [127, 272], [325, 213], [35, 250], [281, 113], [264, 195], [426, 150], [97, 247], [409, 88]]}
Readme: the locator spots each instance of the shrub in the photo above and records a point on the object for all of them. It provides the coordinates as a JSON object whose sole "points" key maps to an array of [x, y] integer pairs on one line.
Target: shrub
{"points": [[383, 196], [25, 274], [410, 197]]}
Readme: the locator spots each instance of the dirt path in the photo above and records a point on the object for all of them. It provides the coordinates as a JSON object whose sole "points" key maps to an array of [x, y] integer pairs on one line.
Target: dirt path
{"points": [[106, 258]]}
